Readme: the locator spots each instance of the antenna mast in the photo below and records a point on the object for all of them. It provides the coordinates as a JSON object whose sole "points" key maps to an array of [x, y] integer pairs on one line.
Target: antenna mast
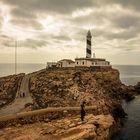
{"points": [[16, 57]]}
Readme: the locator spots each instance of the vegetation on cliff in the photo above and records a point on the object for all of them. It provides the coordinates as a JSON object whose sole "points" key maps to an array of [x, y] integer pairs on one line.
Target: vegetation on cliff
{"points": [[56, 88], [8, 88]]}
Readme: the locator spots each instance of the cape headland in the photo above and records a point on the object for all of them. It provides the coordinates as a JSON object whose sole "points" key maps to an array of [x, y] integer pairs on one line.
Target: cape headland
{"points": [[68, 87]]}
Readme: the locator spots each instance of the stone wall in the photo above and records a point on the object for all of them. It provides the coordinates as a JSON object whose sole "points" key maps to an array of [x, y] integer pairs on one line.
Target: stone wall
{"points": [[42, 115]]}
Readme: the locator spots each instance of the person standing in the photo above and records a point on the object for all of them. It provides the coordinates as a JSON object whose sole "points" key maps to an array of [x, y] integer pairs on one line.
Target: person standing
{"points": [[83, 113], [23, 94]]}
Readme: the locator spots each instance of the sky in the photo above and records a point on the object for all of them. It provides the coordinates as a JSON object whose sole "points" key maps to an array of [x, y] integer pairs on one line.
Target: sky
{"points": [[50, 30]]}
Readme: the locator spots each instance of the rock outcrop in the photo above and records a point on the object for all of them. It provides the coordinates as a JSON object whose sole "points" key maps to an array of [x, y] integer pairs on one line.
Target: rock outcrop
{"points": [[129, 92], [71, 128], [8, 88], [56, 88]]}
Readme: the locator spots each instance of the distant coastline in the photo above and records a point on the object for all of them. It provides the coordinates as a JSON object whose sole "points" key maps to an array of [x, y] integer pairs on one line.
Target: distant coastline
{"points": [[129, 74]]}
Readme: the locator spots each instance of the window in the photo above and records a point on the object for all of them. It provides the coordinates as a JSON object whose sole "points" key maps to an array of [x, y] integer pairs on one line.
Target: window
{"points": [[77, 62], [83, 63]]}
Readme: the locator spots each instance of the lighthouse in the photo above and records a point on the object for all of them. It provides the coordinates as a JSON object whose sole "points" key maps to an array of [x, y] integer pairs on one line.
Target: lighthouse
{"points": [[88, 47]]}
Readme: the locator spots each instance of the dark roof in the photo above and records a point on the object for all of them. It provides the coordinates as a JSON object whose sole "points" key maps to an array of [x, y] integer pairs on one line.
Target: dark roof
{"points": [[91, 59], [89, 33], [68, 60]]}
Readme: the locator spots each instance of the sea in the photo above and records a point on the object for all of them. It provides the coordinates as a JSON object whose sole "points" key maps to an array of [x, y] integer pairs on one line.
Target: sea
{"points": [[9, 68], [130, 129], [129, 75]]}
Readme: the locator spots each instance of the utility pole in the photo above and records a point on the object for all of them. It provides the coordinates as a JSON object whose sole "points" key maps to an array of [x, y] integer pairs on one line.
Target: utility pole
{"points": [[16, 57]]}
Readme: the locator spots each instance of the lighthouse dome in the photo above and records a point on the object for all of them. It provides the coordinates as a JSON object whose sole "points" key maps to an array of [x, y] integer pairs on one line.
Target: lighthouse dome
{"points": [[89, 33]]}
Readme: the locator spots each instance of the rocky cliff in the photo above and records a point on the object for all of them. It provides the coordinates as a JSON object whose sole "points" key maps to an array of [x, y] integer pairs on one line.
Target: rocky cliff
{"points": [[71, 128], [8, 88], [69, 87]]}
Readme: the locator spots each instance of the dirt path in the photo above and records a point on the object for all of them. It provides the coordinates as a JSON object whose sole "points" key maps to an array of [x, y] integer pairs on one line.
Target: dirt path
{"points": [[20, 101]]}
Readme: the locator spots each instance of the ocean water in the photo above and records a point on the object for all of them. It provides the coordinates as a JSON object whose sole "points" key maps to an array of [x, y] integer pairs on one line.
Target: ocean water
{"points": [[131, 125], [129, 74], [8, 69]]}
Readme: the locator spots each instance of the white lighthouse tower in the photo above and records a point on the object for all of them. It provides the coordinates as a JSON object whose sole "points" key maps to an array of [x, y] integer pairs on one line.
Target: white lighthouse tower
{"points": [[88, 48]]}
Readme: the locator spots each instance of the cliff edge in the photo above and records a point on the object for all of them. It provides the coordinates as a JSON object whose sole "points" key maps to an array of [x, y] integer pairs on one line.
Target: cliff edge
{"points": [[69, 88], [61, 88]]}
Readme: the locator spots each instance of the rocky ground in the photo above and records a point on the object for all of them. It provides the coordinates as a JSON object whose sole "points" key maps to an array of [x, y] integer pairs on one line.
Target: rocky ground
{"points": [[129, 92], [71, 128], [55, 88], [8, 88], [70, 87]]}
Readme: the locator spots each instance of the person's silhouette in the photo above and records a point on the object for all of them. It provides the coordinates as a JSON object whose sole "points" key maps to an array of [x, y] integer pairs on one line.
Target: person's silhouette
{"points": [[83, 113], [23, 94]]}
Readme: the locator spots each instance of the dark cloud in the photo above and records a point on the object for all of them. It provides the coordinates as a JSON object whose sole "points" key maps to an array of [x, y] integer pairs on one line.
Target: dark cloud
{"points": [[33, 43], [6, 41], [67, 6], [127, 4], [121, 35], [133, 4], [19, 12], [121, 24], [125, 21], [54, 39], [62, 37], [57, 6], [28, 23], [94, 18]]}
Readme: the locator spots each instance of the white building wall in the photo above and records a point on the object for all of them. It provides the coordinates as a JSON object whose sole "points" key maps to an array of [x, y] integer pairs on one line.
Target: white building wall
{"points": [[100, 63], [72, 65], [65, 64], [83, 63], [88, 63]]}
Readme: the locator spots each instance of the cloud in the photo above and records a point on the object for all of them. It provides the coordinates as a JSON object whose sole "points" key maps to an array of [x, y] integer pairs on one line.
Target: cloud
{"points": [[63, 24], [29, 23], [20, 12], [33, 43], [1, 19], [61, 6], [123, 26], [125, 20], [6, 41], [132, 4], [121, 35], [67, 6]]}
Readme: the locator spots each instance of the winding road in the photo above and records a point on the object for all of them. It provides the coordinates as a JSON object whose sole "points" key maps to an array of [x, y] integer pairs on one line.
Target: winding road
{"points": [[20, 101]]}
